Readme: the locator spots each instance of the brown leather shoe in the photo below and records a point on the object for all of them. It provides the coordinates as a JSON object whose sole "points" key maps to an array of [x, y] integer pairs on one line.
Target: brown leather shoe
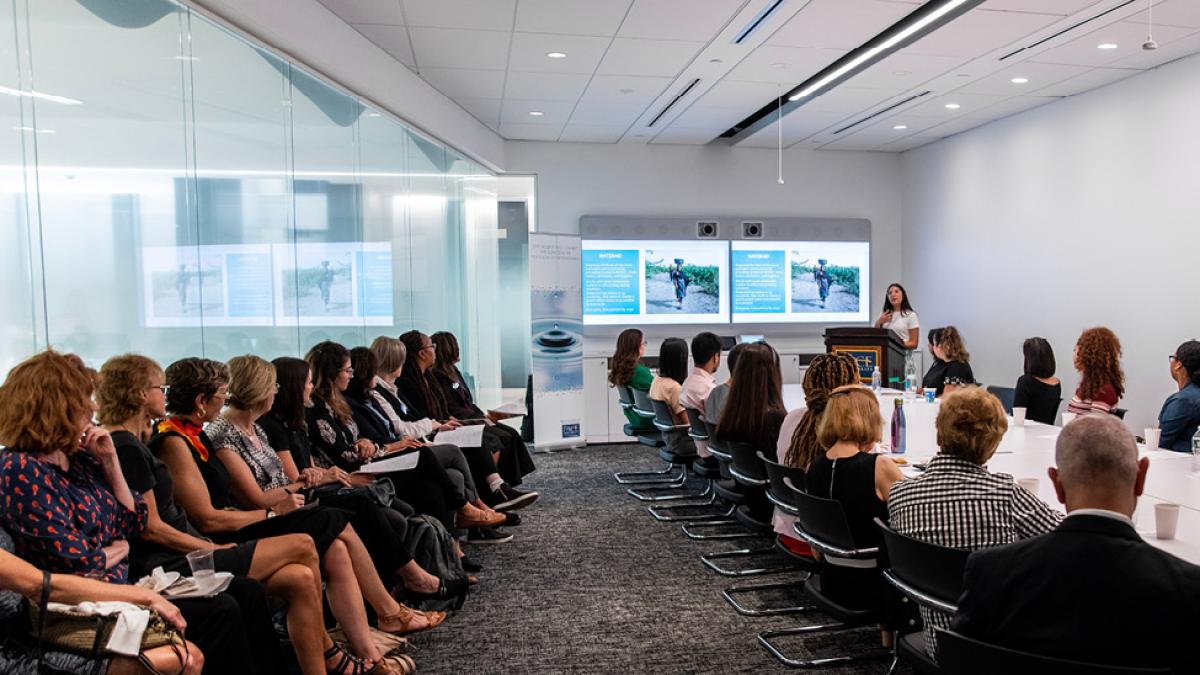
{"points": [[469, 516]]}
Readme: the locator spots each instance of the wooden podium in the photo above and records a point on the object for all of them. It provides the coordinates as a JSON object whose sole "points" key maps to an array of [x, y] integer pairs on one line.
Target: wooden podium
{"points": [[870, 347]]}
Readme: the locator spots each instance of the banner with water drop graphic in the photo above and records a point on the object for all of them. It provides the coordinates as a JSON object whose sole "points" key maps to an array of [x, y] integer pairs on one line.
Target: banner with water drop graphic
{"points": [[557, 347]]}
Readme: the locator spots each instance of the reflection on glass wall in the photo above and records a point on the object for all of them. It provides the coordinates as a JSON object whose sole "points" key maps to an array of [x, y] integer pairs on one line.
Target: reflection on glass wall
{"points": [[181, 191]]}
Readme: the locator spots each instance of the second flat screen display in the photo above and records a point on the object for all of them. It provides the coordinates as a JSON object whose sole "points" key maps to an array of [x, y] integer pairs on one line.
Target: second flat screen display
{"points": [[800, 281], [649, 282]]}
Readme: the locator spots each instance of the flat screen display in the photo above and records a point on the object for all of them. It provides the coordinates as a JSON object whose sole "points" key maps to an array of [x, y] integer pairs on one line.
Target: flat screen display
{"points": [[800, 281], [655, 282]]}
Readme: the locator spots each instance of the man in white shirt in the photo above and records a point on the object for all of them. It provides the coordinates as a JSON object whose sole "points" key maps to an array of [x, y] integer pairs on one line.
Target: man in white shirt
{"points": [[706, 357]]}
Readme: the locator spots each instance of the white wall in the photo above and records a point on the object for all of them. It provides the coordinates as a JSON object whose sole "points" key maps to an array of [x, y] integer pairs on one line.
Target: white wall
{"points": [[1076, 214], [311, 34], [576, 179]]}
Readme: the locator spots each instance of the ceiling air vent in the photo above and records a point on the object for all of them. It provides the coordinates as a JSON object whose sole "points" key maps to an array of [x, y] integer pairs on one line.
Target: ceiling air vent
{"points": [[675, 100], [1068, 29], [880, 112], [757, 21]]}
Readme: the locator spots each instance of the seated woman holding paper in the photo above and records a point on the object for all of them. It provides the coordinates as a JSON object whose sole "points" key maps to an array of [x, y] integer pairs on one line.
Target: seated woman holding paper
{"points": [[259, 480], [66, 503], [197, 390], [334, 434]]}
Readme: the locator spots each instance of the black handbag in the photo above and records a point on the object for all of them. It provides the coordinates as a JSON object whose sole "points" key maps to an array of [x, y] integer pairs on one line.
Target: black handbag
{"points": [[382, 492]]}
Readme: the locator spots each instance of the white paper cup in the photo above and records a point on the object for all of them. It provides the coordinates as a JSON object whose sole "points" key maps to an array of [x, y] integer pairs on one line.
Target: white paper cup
{"points": [[1067, 418], [1166, 520], [201, 563], [1153, 434], [1030, 484], [1018, 417]]}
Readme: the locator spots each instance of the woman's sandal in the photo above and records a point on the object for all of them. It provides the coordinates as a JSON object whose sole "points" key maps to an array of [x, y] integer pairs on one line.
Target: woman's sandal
{"points": [[405, 617], [359, 666], [396, 664]]}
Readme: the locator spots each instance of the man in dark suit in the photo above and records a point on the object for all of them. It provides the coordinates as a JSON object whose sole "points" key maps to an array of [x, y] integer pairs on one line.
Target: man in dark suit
{"points": [[1091, 590]]}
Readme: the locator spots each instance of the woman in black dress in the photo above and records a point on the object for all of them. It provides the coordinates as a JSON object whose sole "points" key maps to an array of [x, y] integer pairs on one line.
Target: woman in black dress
{"points": [[1038, 390], [956, 359]]}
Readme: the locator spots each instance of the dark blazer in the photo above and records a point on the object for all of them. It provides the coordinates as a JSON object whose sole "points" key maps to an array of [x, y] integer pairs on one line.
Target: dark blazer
{"points": [[459, 401], [372, 423], [1091, 590]]}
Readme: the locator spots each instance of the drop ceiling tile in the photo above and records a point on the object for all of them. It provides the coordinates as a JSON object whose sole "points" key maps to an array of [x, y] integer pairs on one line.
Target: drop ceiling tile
{"points": [[840, 24], [1040, 75], [1059, 7], [790, 65], [697, 20], [1176, 49], [571, 17], [461, 83], [529, 53], [713, 118], [736, 94], [367, 11], [486, 110], [613, 114], [847, 100], [684, 136], [392, 39], [549, 86], [1013, 106], [979, 32], [592, 133], [531, 132], [797, 126], [1177, 13], [952, 127], [516, 111], [853, 143], [476, 14], [903, 70], [625, 90], [910, 143], [970, 105], [453, 48], [1127, 35], [659, 58], [1092, 79]]}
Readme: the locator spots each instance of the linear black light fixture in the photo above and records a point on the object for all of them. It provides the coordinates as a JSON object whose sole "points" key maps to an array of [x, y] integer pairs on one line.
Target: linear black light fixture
{"points": [[926, 19]]}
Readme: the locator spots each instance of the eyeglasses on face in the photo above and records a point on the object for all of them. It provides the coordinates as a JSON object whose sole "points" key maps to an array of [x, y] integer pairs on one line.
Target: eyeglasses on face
{"points": [[348, 370], [164, 388]]}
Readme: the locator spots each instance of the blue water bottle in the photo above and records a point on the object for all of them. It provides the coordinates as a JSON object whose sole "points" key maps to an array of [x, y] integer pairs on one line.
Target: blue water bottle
{"points": [[898, 428]]}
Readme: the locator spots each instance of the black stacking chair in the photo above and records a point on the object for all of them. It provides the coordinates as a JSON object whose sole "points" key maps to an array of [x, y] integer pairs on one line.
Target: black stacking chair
{"points": [[1005, 394], [726, 490], [652, 439], [927, 574], [700, 512], [960, 655], [671, 453], [1120, 413], [781, 496], [748, 470], [822, 523]]}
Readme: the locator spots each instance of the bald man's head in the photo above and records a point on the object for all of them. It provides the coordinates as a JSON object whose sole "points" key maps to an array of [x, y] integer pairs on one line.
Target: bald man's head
{"points": [[1096, 452]]}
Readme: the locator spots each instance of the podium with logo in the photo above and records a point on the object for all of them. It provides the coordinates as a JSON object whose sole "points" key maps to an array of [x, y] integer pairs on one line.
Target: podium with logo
{"points": [[871, 347]]}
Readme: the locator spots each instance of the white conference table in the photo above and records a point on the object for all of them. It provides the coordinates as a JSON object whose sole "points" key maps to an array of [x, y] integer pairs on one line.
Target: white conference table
{"points": [[1028, 452]]}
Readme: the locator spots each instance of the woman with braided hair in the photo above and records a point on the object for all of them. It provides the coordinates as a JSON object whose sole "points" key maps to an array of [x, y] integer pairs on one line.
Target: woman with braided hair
{"points": [[797, 445]]}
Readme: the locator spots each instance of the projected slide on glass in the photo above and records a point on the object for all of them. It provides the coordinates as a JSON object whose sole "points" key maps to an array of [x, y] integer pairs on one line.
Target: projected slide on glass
{"points": [[314, 284], [800, 282], [628, 282]]}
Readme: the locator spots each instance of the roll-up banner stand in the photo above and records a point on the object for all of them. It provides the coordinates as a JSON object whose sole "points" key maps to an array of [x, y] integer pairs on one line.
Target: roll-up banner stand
{"points": [[557, 341]]}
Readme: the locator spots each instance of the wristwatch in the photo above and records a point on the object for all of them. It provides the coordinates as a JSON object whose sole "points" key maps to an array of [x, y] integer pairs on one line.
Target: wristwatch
{"points": [[270, 513]]}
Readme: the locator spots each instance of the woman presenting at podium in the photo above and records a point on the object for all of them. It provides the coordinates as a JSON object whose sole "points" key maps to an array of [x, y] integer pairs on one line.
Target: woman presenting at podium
{"points": [[899, 316]]}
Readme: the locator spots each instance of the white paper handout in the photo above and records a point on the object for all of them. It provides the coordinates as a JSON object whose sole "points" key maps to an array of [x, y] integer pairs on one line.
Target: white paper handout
{"points": [[400, 463], [515, 407], [463, 437]]}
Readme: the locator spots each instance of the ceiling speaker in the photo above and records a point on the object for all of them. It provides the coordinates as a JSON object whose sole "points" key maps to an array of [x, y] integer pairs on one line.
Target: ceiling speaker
{"points": [[752, 230], [706, 229]]}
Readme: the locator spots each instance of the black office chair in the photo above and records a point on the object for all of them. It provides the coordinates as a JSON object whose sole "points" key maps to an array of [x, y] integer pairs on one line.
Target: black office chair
{"points": [[822, 523], [653, 439], [961, 655], [1120, 413], [1005, 394], [927, 574], [726, 490], [674, 453], [748, 470], [781, 496], [703, 511]]}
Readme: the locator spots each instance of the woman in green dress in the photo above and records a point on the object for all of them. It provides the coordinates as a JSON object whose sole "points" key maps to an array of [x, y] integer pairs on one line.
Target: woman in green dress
{"points": [[626, 370]]}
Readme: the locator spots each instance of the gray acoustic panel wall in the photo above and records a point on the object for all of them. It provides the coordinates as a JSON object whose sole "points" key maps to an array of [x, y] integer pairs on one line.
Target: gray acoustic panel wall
{"points": [[729, 228]]}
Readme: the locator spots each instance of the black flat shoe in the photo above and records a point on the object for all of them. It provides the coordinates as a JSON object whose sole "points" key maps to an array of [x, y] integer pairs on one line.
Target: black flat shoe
{"points": [[470, 565], [446, 589]]}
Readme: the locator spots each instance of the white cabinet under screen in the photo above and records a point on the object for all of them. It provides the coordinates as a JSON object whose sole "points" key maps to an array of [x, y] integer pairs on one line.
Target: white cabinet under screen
{"points": [[603, 420]]}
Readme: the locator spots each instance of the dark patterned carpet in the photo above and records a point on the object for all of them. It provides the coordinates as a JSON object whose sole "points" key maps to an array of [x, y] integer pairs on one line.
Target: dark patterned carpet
{"points": [[593, 584]]}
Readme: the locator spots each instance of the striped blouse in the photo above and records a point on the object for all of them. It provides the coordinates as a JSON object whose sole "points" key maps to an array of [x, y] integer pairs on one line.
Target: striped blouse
{"points": [[1105, 402]]}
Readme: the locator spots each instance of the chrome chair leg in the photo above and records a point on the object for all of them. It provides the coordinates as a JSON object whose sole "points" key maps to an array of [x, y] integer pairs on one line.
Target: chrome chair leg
{"points": [[635, 477], [764, 639], [690, 529], [666, 493], [728, 594], [708, 560]]}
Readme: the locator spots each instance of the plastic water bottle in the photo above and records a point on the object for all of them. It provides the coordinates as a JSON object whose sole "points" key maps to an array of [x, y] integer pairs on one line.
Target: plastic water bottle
{"points": [[1196, 450], [899, 428], [910, 376], [876, 381]]}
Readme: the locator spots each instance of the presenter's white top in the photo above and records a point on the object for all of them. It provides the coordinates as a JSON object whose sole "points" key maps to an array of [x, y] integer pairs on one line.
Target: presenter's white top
{"points": [[902, 323]]}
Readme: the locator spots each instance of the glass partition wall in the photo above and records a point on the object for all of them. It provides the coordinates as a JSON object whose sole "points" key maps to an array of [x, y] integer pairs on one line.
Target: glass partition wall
{"points": [[168, 188]]}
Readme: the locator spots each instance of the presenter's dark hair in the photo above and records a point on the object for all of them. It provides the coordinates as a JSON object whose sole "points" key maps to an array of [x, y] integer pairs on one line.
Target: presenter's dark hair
{"points": [[1039, 357], [705, 346], [1189, 355], [625, 359], [904, 306], [755, 392], [672, 359]]}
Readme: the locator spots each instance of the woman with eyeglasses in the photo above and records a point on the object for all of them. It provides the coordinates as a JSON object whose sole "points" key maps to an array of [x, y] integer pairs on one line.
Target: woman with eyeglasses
{"points": [[131, 394], [626, 370]]}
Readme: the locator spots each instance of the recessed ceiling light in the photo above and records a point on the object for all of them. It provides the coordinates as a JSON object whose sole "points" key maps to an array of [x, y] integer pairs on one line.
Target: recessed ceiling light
{"points": [[536, 113], [779, 65], [952, 106], [902, 73], [715, 61], [373, 114], [963, 75], [625, 91], [900, 127], [1019, 80], [556, 55], [1106, 45]]}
